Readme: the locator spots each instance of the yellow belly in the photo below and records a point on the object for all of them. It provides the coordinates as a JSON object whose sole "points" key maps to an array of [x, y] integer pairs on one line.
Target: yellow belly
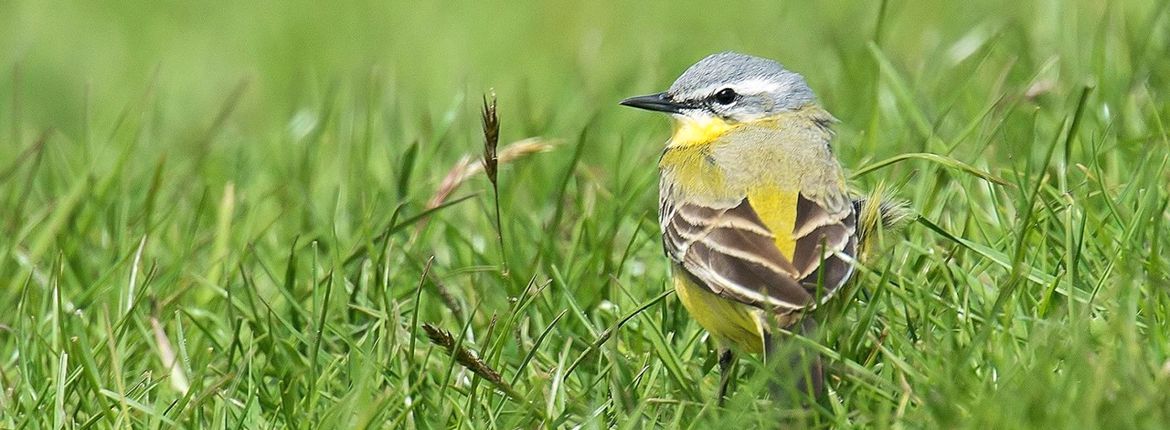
{"points": [[730, 322]]}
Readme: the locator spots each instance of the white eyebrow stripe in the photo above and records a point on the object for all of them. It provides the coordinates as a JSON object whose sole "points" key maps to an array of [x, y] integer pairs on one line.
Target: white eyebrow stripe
{"points": [[750, 86], [756, 86]]}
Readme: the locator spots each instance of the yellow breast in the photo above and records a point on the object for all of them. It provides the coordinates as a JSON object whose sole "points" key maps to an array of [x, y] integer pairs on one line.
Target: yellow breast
{"points": [[687, 158]]}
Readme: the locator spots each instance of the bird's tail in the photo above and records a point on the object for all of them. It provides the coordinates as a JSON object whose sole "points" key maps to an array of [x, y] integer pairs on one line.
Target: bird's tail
{"points": [[889, 213]]}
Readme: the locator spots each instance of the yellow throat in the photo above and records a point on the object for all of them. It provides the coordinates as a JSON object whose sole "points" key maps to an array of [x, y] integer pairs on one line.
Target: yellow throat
{"points": [[691, 131]]}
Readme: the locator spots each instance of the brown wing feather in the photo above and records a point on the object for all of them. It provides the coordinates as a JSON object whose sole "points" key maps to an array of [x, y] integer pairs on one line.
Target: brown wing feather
{"points": [[821, 237], [730, 252]]}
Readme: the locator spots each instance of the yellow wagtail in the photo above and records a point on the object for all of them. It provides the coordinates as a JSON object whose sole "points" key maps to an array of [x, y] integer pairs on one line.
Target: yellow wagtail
{"points": [[755, 214]]}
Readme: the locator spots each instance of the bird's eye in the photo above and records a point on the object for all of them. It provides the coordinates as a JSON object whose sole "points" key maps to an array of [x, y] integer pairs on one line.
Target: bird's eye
{"points": [[725, 96]]}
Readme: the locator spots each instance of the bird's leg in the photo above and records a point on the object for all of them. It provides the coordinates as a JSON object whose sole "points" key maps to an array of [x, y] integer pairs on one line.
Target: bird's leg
{"points": [[808, 363], [803, 362], [726, 363]]}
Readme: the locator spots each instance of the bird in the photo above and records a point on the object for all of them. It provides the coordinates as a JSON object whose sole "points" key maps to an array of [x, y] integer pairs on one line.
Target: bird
{"points": [[756, 217]]}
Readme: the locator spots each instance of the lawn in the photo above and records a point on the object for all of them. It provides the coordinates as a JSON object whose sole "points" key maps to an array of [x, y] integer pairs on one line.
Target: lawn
{"points": [[251, 215]]}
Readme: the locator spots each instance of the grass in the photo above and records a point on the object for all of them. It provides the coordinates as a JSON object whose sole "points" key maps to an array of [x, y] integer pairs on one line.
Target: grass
{"points": [[231, 222]]}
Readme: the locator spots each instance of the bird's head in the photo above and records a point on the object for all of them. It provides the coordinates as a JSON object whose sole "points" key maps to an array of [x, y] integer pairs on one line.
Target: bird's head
{"points": [[725, 90]]}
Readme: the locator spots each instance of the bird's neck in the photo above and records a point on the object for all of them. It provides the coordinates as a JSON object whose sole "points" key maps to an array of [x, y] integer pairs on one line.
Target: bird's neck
{"points": [[696, 132], [713, 157]]}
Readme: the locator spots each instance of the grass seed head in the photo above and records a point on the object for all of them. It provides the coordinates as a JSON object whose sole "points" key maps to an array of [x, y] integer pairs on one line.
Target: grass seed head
{"points": [[464, 356], [491, 136]]}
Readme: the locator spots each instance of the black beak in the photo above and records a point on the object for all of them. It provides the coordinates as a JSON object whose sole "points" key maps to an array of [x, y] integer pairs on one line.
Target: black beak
{"points": [[656, 102]]}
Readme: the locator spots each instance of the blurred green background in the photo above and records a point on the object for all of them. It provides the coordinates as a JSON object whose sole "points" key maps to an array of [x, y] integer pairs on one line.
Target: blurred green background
{"points": [[240, 187], [566, 55]]}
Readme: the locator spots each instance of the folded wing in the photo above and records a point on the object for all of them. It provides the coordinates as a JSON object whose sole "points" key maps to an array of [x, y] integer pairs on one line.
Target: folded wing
{"points": [[729, 251]]}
